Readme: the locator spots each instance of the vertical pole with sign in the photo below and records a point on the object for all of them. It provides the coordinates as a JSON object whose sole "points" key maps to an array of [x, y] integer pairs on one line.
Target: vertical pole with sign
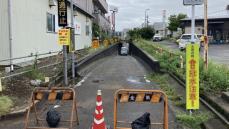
{"points": [[63, 22], [192, 64]]}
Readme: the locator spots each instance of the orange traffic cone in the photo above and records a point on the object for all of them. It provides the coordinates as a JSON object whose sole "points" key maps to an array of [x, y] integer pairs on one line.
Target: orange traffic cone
{"points": [[99, 122]]}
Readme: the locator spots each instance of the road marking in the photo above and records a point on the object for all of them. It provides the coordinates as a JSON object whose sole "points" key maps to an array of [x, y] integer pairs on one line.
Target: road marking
{"points": [[82, 81]]}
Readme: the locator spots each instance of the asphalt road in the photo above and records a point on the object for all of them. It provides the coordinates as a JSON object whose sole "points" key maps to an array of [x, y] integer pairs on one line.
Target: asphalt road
{"points": [[108, 75], [217, 53]]}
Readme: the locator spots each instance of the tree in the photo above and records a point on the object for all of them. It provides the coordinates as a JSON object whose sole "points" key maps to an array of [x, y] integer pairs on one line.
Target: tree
{"points": [[175, 21], [146, 33], [95, 30]]}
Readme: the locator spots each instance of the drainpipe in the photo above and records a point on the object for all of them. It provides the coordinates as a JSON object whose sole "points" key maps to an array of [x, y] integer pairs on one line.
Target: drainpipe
{"points": [[10, 34]]}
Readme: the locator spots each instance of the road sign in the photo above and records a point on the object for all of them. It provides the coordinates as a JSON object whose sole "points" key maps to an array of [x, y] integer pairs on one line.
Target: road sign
{"points": [[64, 37], [192, 76], [140, 97], [193, 2], [62, 13]]}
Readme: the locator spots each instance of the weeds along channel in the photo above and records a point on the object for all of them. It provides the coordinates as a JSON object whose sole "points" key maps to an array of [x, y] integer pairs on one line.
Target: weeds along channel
{"points": [[176, 95]]}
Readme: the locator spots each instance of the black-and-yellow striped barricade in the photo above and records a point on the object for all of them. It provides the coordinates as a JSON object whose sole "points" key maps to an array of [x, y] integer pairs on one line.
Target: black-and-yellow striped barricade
{"points": [[140, 96], [43, 99]]}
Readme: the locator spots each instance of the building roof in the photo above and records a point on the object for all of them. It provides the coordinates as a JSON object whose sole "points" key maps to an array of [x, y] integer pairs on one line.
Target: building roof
{"points": [[224, 14]]}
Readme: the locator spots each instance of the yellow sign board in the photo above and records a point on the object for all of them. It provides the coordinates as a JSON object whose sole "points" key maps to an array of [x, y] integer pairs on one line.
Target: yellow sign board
{"points": [[95, 44], [106, 43], [0, 85], [192, 77], [64, 37]]}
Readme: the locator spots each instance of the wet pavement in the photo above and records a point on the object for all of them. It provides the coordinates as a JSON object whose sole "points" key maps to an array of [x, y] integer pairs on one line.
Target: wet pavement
{"points": [[110, 74], [217, 53]]}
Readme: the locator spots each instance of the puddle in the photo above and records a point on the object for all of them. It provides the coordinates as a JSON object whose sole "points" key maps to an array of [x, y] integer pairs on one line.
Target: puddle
{"points": [[139, 80]]}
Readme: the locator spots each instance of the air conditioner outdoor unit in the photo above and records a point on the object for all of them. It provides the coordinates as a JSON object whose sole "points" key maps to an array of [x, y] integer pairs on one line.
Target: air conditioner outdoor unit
{"points": [[52, 3]]}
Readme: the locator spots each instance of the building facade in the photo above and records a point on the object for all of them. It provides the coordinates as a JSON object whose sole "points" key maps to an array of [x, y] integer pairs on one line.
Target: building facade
{"points": [[34, 27], [161, 28], [218, 29], [100, 10], [218, 26]]}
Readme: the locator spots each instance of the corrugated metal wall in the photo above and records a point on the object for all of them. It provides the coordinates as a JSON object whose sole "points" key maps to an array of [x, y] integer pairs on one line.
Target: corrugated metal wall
{"points": [[4, 31]]}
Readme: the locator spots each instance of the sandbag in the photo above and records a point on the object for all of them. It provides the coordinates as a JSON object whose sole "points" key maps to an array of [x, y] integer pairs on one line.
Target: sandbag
{"points": [[53, 118], [142, 123]]}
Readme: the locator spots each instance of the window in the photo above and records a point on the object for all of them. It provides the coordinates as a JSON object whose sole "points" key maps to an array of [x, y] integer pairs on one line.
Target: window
{"points": [[87, 30], [50, 22]]}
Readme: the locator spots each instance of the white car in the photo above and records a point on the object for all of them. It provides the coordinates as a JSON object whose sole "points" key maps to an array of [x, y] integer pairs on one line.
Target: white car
{"points": [[124, 51], [186, 39], [157, 37]]}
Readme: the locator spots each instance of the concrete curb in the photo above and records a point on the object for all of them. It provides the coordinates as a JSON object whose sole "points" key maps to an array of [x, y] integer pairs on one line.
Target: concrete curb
{"points": [[151, 61]]}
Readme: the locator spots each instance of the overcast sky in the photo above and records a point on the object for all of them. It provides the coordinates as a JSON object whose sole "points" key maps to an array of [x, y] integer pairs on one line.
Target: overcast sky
{"points": [[132, 12]]}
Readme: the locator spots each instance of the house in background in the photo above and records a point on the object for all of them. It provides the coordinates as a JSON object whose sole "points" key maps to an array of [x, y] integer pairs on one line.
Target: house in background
{"points": [[35, 26], [218, 26], [161, 28]]}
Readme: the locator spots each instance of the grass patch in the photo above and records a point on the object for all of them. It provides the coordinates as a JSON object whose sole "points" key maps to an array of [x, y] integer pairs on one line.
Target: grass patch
{"points": [[35, 74], [162, 81], [5, 104], [193, 121], [214, 80]]}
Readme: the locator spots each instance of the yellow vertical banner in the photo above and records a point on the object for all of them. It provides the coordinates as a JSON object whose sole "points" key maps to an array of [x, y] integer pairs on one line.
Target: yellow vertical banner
{"points": [[192, 77], [0, 85]]}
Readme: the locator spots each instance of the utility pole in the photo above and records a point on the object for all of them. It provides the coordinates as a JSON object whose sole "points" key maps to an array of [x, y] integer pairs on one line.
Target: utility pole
{"points": [[164, 22], [10, 34], [206, 33], [193, 24], [73, 41], [114, 11], [146, 18]]}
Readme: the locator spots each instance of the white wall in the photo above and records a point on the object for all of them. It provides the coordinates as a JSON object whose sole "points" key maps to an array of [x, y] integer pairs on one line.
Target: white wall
{"points": [[198, 30], [4, 31], [83, 40], [29, 26]]}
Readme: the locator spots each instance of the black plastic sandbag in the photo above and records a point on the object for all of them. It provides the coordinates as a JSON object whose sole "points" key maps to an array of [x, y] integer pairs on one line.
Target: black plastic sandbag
{"points": [[53, 118], [142, 123]]}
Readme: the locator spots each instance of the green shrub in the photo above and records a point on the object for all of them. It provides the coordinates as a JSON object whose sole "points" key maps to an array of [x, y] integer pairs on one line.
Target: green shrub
{"points": [[5, 104], [35, 74]]}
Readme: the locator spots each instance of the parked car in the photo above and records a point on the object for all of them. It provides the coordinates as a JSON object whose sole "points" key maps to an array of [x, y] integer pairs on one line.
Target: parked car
{"points": [[157, 37], [124, 51], [186, 39]]}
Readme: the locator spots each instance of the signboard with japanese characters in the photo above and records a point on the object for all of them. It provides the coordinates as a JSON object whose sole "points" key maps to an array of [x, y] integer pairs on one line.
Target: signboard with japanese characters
{"points": [[64, 37], [62, 13], [193, 2], [140, 97], [192, 76]]}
